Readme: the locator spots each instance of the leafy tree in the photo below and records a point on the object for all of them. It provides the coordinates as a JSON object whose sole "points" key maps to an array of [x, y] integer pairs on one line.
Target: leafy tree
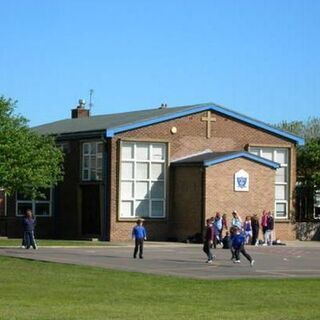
{"points": [[29, 162]]}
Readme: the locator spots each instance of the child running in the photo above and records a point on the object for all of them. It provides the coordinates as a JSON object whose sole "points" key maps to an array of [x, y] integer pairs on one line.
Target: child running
{"points": [[208, 241], [238, 246]]}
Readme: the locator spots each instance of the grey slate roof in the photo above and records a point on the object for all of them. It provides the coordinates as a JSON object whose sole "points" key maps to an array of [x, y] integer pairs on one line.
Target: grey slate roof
{"points": [[120, 122], [103, 122]]}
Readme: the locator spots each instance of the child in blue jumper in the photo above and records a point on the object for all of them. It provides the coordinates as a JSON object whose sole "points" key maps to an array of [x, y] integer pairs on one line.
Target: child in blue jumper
{"points": [[238, 247], [139, 234]]}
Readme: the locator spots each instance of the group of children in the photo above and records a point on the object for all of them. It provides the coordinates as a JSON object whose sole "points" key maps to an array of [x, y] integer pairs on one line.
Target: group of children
{"points": [[240, 234]]}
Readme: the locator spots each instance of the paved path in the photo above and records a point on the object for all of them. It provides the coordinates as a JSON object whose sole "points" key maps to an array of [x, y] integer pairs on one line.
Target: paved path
{"points": [[187, 260]]}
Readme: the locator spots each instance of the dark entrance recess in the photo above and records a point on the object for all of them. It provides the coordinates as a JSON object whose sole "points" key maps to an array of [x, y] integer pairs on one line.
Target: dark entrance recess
{"points": [[90, 210]]}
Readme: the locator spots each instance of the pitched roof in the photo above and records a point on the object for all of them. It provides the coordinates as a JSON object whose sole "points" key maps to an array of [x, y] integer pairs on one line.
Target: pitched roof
{"points": [[209, 159], [121, 122]]}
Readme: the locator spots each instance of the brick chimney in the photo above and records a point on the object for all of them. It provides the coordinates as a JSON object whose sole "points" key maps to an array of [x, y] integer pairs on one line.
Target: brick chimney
{"points": [[80, 111]]}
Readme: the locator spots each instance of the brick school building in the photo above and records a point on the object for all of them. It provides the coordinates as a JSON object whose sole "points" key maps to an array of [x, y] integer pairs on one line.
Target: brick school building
{"points": [[173, 166]]}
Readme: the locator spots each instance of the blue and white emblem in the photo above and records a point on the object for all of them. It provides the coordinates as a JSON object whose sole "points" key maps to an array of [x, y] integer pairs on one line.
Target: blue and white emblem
{"points": [[241, 181]]}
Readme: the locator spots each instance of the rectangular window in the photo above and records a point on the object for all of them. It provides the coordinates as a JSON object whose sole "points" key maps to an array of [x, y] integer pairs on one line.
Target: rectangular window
{"points": [[280, 155], [92, 153], [40, 207], [143, 180]]}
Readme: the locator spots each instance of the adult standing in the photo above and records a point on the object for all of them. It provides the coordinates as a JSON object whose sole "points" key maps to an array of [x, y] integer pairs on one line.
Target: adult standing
{"points": [[269, 230], [264, 222], [236, 221], [29, 223], [255, 229], [217, 229]]}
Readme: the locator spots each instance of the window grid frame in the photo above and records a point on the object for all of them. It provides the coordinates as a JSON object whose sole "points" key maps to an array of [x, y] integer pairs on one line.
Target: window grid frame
{"points": [[285, 184], [149, 180], [34, 205], [98, 155]]}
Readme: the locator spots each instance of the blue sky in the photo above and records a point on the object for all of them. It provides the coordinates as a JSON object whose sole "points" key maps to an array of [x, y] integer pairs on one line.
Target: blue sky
{"points": [[260, 58]]}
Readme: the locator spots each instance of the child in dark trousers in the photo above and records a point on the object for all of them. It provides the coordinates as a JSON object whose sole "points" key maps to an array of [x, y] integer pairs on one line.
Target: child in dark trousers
{"points": [[208, 241], [238, 246], [139, 234], [29, 224]]}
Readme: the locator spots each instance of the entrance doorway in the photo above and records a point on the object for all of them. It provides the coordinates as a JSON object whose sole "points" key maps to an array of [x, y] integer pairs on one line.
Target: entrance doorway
{"points": [[91, 210]]}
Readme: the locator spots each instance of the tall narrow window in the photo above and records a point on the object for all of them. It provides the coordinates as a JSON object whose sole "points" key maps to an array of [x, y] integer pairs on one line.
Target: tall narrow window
{"points": [[279, 155], [143, 180], [92, 161]]}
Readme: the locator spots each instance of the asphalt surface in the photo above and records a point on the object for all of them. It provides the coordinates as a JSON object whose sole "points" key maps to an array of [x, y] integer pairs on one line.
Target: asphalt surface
{"points": [[187, 260]]}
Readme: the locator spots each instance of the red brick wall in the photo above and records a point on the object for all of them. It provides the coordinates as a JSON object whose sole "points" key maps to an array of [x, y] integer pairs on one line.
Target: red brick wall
{"points": [[227, 134]]}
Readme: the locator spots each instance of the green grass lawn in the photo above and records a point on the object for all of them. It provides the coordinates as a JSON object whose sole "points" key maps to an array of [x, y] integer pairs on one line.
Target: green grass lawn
{"points": [[43, 242], [40, 290]]}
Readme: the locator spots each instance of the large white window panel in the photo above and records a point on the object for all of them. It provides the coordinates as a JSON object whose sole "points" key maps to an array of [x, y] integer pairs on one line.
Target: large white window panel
{"points": [[127, 190], [142, 190], [157, 190], [255, 151], [157, 209], [127, 170], [142, 208], [157, 171], [267, 153], [127, 151], [158, 152], [281, 156], [281, 174], [281, 209], [142, 151], [142, 170], [126, 209], [143, 179], [280, 192]]}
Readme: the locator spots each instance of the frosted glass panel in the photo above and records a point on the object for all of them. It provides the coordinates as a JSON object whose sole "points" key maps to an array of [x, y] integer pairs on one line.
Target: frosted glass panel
{"points": [[127, 151], [157, 209], [267, 153], [157, 190], [281, 175], [142, 170], [142, 152], [281, 156], [127, 170], [142, 190], [157, 171], [255, 152], [85, 148], [126, 209], [126, 190], [157, 152], [280, 192], [281, 209], [142, 208]]}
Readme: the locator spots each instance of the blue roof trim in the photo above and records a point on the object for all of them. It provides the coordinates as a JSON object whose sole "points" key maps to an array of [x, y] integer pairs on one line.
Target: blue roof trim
{"points": [[247, 155], [113, 131]]}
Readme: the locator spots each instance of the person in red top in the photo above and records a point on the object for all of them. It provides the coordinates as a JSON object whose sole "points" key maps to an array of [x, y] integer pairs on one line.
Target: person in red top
{"points": [[208, 241], [264, 221]]}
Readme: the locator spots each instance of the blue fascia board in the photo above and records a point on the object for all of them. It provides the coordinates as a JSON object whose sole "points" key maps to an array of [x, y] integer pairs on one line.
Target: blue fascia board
{"points": [[247, 155], [258, 124]]}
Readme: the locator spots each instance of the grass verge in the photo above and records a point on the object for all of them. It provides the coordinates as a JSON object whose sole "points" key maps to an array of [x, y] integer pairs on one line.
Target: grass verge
{"points": [[40, 290]]}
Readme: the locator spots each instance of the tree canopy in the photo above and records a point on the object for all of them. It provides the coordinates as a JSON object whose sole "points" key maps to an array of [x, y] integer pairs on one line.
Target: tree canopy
{"points": [[308, 156], [29, 162]]}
